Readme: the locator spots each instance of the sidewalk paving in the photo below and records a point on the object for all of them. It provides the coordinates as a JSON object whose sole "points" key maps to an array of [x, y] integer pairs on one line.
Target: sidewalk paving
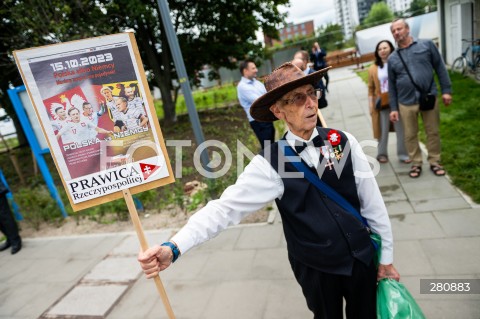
{"points": [[244, 272]]}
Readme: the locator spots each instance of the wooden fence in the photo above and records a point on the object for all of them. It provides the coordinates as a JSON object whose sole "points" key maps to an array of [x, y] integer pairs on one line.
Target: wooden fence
{"points": [[339, 59]]}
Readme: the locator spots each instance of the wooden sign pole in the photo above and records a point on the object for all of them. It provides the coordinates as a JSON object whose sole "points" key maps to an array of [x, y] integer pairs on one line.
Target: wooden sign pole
{"points": [[143, 243], [322, 120]]}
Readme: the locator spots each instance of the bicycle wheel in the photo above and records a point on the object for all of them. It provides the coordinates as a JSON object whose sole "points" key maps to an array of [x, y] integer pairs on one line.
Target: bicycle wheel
{"points": [[459, 65]]}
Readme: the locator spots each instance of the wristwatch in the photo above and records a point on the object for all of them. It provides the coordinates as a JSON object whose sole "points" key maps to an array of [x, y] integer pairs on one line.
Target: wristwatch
{"points": [[174, 248]]}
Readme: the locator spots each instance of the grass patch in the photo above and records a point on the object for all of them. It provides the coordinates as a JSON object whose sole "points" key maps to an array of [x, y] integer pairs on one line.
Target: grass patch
{"points": [[8, 144], [459, 134], [204, 99], [363, 75]]}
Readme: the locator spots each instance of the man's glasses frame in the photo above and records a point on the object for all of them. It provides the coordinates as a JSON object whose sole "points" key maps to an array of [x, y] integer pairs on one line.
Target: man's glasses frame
{"points": [[299, 99]]}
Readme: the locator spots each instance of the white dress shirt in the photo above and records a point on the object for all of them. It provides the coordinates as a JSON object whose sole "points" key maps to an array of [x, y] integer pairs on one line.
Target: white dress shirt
{"points": [[259, 184]]}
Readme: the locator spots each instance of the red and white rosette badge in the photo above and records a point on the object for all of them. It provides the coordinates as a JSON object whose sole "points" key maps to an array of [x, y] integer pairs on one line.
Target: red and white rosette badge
{"points": [[334, 137]]}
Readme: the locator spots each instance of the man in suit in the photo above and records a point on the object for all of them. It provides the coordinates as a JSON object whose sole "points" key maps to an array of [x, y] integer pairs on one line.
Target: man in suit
{"points": [[317, 57]]}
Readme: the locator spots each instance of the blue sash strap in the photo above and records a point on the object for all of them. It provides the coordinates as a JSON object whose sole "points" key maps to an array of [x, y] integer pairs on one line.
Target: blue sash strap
{"points": [[323, 187]]}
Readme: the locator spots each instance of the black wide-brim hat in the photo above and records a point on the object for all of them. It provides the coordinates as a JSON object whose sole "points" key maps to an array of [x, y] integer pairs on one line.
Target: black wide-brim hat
{"points": [[282, 80]]}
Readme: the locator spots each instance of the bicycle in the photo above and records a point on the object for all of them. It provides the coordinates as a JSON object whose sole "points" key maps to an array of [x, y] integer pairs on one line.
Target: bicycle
{"points": [[464, 62]]}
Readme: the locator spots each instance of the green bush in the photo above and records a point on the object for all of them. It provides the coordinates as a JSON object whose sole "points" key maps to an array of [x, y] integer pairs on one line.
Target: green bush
{"points": [[37, 206], [204, 99], [197, 199]]}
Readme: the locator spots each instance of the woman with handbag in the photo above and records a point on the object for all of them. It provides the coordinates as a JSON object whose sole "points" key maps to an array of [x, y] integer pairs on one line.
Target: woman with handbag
{"points": [[379, 106]]}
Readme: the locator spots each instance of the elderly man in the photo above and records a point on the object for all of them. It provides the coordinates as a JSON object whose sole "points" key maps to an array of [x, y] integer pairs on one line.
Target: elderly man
{"points": [[410, 69], [329, 249]]}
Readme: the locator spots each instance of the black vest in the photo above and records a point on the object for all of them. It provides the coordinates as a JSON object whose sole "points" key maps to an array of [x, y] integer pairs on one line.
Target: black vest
{"points": [[319, 232]]}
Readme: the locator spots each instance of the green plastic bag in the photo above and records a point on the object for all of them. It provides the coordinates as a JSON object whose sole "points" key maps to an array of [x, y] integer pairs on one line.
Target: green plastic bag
{"points": [[395, 302]]}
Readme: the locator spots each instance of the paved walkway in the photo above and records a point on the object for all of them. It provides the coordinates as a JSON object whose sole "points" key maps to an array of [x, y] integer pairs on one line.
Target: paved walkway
{"points": [[244, 273]]}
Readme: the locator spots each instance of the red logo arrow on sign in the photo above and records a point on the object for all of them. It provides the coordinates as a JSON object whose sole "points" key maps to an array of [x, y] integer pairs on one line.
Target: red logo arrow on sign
{"points": [[148, 169]]}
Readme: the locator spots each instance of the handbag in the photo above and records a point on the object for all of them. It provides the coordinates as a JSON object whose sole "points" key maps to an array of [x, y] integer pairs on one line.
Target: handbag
{"points": [[384, 101], [379, 103], [427, 100], [335, 196]]}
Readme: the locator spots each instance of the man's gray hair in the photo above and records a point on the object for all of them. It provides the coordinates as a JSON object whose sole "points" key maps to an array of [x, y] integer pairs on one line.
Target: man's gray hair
{"points": [[400, 19]]}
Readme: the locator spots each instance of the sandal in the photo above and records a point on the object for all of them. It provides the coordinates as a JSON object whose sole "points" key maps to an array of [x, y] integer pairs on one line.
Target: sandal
{"points": [[415, 171], [437, 170], [406, 161], [382, 159]]}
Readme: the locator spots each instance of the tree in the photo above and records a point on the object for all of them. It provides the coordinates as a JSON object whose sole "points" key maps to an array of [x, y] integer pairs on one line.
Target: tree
{"points": [[215, 32], [379, 13], [34, 23], [419, 7], [330, 37]]}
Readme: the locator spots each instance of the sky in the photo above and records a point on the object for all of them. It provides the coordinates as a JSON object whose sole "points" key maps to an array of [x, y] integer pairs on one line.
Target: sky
{"points": [[320, 11]]}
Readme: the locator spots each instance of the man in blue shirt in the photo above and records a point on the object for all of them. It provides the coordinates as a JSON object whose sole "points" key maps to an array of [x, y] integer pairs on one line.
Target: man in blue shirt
{"points": [[248, 90]]}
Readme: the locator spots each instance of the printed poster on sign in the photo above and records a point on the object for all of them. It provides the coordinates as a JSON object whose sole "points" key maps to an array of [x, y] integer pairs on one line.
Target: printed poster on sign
{"points": [[96, 111]]}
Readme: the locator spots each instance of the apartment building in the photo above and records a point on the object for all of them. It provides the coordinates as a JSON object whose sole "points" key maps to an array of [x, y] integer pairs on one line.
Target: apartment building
{"points": [[399, 5], [346, 15], [291, 31], [350, 13]]}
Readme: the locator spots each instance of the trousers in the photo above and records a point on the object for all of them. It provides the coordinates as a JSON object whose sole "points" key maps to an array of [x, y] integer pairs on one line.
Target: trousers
{"points": [[431, 122], [384, 131], [8, 226], [325, 292]]}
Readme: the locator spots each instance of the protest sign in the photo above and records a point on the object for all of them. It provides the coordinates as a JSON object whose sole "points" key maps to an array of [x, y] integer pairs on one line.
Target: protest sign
{"points": [[96, 111]]}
